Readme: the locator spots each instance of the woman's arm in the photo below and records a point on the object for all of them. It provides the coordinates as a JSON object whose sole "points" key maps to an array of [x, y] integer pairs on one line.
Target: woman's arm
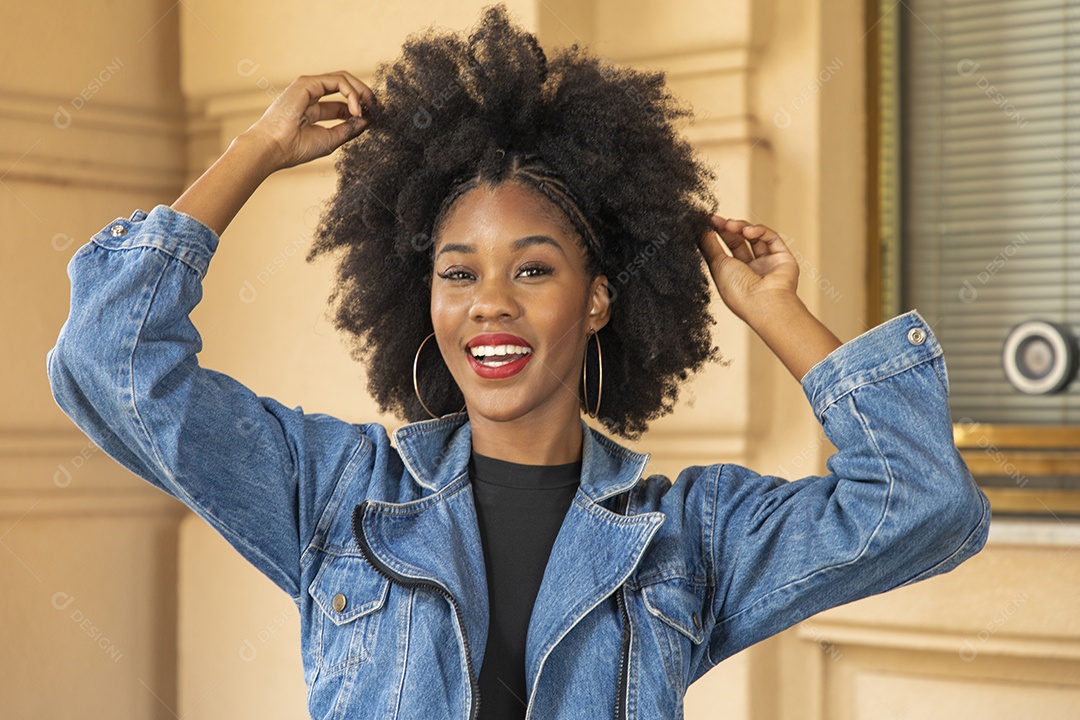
{"points": [[898, 504], [794, 335], [125, 366]]}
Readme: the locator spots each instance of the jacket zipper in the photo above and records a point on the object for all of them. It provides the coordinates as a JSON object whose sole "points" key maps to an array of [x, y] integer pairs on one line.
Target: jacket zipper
{"points": [[624, 653], [624, 656], [361, 540]]}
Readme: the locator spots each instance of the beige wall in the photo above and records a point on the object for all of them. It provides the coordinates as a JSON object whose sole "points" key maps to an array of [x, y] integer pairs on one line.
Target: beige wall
{"points": [[134, 609], [92, 127]]}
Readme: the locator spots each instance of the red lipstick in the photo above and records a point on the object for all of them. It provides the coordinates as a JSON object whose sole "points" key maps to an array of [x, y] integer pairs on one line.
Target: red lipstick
{"points": [[505, 369]]}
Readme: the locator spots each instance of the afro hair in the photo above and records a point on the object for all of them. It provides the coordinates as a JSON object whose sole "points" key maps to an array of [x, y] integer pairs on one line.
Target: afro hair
{"points": [[595, 138]]}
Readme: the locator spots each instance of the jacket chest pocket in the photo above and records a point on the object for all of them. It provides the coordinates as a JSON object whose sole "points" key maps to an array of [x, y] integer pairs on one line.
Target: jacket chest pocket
{"points": [[349, 595], [676, 605]]}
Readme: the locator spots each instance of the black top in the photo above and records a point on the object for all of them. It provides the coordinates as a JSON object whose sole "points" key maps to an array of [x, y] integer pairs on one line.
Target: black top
{"points": [[520, 509]]}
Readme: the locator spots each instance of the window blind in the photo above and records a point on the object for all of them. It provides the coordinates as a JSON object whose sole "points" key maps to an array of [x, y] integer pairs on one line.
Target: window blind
{"points": [[990, 166]]}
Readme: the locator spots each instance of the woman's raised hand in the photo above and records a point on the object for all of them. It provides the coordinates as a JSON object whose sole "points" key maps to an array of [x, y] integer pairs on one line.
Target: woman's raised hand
{"points": [[759, 272], [758, 282], [285, 135], [288, 128]]}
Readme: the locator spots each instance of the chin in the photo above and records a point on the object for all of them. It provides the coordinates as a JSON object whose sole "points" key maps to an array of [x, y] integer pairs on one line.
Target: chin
{"points": [[496, 410]]}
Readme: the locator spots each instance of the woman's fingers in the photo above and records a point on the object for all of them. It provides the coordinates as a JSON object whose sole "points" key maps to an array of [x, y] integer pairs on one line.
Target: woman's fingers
{"points": [[356, 93], [327, 110], [732, 234], [345, 131], [745, 241], [759, 268], [289, 130], [302, 103], [711, 248], [362, 92]]}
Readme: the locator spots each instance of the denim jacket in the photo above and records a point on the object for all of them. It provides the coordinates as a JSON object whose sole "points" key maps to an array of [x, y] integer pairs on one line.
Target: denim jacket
{"points": [[650, 582]]}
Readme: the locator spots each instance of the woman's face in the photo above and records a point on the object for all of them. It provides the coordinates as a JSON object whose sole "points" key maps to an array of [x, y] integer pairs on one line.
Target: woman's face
{"points": [[512, 304]]}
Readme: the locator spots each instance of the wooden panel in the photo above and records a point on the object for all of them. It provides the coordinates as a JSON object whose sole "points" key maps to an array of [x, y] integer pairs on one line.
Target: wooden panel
{"points": [[897, 697], [996, 638]]}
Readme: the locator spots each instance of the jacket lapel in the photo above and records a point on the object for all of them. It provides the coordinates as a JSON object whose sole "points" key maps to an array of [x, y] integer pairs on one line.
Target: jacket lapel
{"points": [[436, 539], [595, 551]]}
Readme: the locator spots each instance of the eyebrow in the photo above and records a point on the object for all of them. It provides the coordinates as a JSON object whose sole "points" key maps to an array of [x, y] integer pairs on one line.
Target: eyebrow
{"points": [[519, 244]]}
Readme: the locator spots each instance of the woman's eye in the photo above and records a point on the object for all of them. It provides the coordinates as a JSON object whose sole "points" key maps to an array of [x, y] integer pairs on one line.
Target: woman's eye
{"points": [[534, 271], [456, 275], [459, 275]]}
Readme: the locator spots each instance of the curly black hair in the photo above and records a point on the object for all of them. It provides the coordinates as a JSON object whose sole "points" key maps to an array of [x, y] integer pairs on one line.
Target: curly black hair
{"points": [[595, 138]]}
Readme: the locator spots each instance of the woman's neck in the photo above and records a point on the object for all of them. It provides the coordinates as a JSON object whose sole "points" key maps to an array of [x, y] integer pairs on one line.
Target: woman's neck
{"points": [[529, 440]]}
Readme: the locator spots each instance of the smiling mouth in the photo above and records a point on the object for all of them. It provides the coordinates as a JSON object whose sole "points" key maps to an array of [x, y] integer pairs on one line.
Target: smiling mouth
{"points": [[498, 355]]}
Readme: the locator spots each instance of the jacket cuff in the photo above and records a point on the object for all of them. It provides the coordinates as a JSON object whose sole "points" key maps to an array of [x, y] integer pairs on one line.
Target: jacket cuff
{"points": [[165, 229], [890, 348]]}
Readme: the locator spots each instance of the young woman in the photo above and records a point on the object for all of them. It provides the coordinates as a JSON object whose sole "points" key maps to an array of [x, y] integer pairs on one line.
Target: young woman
{"points": [[519, 241]]}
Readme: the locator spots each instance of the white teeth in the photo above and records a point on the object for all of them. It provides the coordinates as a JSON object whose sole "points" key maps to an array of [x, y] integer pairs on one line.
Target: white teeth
{"points": [[481, 351]]}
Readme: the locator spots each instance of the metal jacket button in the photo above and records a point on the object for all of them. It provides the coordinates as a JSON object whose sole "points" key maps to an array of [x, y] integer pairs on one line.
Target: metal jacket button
{"points": [[339, 602], [916, 336], [117, 230]]}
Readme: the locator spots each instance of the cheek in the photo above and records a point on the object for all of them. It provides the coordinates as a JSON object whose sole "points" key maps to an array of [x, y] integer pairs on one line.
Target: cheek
{"points": [[442, 324], [449, 318], [445, 311], [561, 321]]}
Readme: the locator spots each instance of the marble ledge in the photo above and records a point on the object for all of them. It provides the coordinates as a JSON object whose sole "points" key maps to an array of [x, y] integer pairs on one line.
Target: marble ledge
{"points": [[1035, 531]]}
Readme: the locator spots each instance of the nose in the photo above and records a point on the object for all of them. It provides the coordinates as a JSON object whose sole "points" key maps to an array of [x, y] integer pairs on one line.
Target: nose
{"points": [[494, 300]]}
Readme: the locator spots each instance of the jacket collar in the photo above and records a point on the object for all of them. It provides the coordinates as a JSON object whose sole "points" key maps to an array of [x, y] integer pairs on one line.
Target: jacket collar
{"points": [[436, 538], [436, 452]]}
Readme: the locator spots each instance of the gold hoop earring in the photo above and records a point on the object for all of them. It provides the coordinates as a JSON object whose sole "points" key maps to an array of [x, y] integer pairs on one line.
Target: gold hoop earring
{"points": [[415, 384], [585, 375]]}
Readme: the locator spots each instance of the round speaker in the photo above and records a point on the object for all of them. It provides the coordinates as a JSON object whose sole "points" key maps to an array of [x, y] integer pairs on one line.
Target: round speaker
{"points": [[1039, 357]]}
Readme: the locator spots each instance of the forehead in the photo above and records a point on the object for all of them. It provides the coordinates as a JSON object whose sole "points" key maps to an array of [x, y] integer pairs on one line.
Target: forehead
{"points": [[504, 213]]}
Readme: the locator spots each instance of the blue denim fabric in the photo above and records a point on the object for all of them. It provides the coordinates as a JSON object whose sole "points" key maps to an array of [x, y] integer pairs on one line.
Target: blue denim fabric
{"points": [[650, 583]]}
